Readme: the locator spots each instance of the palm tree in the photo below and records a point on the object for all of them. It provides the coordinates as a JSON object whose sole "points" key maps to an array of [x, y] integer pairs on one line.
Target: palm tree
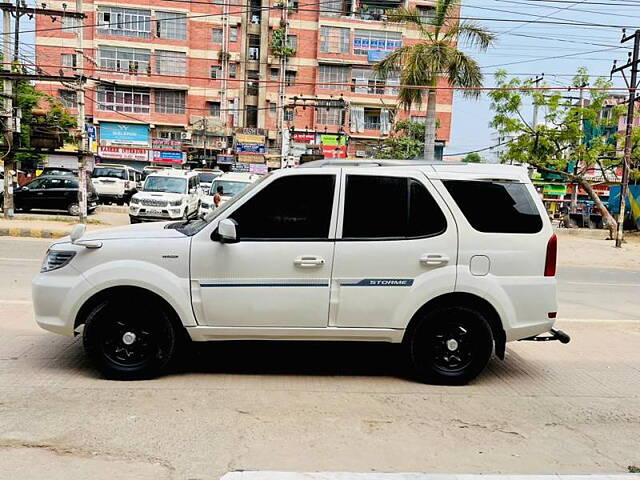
{"points": [[435, 55]]}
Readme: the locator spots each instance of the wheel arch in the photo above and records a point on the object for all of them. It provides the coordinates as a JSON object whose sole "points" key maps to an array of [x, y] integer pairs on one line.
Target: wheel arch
{"points": [[462, 299], [125, 291]]}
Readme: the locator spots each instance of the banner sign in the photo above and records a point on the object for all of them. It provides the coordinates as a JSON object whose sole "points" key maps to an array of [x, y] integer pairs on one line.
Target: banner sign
{"points": [[124, 134], [274, 163], [166, 144], [241, 167], [259, 168], [377, 55], [250, 148], [250, 158], [225, 159], [304, 137], [245, 138], [333, 139], [330, 151], [169, 156], [124, 153]]}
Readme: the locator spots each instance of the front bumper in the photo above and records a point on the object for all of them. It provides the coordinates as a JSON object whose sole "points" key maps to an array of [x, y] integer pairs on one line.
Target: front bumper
{"points": [[158, 213]]}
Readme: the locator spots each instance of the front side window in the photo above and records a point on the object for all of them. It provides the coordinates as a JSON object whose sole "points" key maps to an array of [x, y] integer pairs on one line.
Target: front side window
{"points": [[290, 208], [378, 207], [496, 206], [171, 25]]}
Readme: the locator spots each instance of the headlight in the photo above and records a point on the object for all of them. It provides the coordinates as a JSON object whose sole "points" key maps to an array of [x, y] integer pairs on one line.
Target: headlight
{"points": [[55, 259], [177, 203], [134, 200]]}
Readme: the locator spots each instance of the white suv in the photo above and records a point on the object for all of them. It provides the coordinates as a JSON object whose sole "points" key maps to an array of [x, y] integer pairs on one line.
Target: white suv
{"points": [[231, 184], [115, 183], [166, 194], [452, 260]]}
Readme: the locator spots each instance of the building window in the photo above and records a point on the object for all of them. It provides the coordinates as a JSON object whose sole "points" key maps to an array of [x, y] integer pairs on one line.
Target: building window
{"points": [[365, 41], [171, 25], [216, 72], [171, 134], [336, 8], [68, 98], [71, 23], [214, 109], [329, 74], [123, 59], [366, 81], [334, 40], [253, 85], [292, 42], [289, 78], [216, 35], [68, 59], [273, 107], [327, 114], [171, 63], [233, 70], [252, 116], [123, 99], [427, 12], [170, 101], [233, 34], [124, 22], [274, 73], [288, 114], [254, 47], [372, 119]]}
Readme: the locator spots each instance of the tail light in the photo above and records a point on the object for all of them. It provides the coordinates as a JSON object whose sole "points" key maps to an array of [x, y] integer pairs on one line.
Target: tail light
{"points": [[552, 257]]}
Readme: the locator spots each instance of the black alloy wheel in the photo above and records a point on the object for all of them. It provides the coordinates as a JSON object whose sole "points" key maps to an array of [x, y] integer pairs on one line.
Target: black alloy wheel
{"points": [[127, 343], [450, 345]]}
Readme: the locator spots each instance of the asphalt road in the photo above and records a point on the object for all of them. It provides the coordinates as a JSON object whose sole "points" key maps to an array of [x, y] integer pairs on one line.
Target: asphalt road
{"points": [[280, 406]]}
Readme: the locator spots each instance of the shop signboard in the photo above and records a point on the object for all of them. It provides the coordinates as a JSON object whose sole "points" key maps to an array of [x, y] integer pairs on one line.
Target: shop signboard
{"points": [[134, 134], [377, 55], [334, 146], [169, 156], [250, 158], [124, 153], [241, 167], [258, 168], [257, 148], [303, 137], [225, 159], [554, 190], [166, 144], [274, 163]]}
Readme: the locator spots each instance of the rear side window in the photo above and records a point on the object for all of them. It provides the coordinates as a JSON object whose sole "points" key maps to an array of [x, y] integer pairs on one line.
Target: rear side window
{"points": [[379, 207], [293, 207], [496, 207]]}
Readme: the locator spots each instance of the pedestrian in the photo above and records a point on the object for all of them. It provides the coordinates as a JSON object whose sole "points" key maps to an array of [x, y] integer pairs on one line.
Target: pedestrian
{"points": [[217, 198]]}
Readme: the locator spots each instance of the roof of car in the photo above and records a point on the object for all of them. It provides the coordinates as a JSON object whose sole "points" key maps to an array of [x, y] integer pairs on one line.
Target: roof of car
{"points": [[172, 172], [238, 177]]}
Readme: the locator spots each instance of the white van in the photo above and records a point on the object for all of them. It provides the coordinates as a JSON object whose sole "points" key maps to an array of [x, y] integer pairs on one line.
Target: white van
{"points": [[451, 260], [166, 194], [115, 183], [232, 183]]}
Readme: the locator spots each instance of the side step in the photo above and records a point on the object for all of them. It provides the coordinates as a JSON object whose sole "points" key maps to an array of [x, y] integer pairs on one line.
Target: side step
{"points": [[555, 334]]}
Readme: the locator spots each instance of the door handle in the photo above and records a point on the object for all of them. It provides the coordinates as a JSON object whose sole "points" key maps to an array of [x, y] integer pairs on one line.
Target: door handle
{"points": [[434, 259], [308, 261]]}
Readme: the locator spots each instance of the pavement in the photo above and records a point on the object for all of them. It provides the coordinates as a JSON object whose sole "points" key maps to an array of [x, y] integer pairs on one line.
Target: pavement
{"points": [[318, 407]]}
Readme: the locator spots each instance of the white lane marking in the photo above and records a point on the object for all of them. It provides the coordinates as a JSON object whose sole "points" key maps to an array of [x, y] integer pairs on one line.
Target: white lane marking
{"points": [[17, 259], [15, 302], [598, 320], [598, 284]]}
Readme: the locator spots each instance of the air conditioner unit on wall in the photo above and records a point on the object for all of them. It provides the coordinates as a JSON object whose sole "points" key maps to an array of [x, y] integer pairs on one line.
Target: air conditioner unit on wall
{"points": [[185, 135]]}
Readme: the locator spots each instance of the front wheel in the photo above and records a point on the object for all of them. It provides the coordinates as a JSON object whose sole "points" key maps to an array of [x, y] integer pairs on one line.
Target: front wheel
{"points": [[129, 344], [74, 209], [449, 345]]}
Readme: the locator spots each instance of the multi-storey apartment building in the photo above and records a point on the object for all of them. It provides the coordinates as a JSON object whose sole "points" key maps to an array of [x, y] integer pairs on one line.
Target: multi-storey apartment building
{"points": [[203, 77]]}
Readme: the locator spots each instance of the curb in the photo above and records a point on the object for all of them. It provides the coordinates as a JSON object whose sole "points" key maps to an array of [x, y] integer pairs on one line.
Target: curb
{"points": [[32, 233], [112, 209]]}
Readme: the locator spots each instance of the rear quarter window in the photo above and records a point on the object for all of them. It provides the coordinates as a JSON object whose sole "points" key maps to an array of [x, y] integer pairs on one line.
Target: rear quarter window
{"points": [[496, 206]]}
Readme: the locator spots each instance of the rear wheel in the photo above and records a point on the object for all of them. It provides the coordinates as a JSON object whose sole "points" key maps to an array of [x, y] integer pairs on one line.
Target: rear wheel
{"points": [[129, 344], [73, 209], [449, 345]]}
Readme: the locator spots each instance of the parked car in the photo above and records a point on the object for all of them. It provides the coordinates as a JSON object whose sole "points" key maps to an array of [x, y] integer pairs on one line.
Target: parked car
{"points": [[58, 171], [232, 183], [385, 251], [166, 194], [206, 176], [115, 183], [53, 192]]}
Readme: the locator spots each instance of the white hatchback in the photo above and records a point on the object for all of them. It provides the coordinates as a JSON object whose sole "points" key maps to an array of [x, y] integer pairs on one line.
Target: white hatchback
{"points": [[167, 194], [451, 260]]}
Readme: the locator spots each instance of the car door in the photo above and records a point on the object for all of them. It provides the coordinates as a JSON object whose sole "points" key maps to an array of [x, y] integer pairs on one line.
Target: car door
{"points": [[25, 196], [54, 195], [396, 249], [278, 274]]}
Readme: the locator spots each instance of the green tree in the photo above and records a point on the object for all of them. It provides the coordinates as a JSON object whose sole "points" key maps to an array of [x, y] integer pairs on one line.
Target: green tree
{"points": [[473, 158], [406, 141], [436, 55], [572, 139]]}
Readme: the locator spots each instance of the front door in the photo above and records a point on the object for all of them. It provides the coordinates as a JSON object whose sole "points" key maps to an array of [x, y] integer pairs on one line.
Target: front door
{"points": [[396, 249], [278, 274]]}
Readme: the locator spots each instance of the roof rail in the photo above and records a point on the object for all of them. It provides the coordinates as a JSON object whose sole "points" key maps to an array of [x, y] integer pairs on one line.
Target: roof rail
{"points": [[368, 163]]}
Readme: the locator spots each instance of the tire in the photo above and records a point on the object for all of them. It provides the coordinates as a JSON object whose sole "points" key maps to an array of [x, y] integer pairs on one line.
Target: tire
{"points": [[449, 346], [73, 209], [133, 220], [112, 324]]}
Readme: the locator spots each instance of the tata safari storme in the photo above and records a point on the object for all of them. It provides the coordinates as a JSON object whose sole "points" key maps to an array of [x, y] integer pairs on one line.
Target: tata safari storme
{"points": [[452, 261]]}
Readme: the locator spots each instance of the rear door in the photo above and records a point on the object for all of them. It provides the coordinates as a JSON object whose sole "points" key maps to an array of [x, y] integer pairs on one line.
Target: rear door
{"points": [[396, 249]]}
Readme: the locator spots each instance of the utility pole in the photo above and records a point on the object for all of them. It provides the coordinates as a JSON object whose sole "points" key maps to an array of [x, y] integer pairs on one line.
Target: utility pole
{"points": [[626, 163], [8, 116], [284, 21], [534, 122], [82, 157], [225, 65], [574, 192]]}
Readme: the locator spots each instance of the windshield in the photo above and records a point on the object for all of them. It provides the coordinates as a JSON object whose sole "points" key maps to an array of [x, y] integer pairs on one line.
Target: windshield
{"points": [[207, 177], [165, 184], [229, 187], [109, 172]]}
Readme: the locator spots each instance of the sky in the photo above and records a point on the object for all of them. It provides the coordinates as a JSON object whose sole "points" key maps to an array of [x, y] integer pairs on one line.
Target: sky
{"points": [[532, 33]]}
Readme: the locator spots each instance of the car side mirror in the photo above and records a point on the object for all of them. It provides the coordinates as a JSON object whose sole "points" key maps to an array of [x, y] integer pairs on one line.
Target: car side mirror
{"points": [[25, 189], [227, 231]]}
